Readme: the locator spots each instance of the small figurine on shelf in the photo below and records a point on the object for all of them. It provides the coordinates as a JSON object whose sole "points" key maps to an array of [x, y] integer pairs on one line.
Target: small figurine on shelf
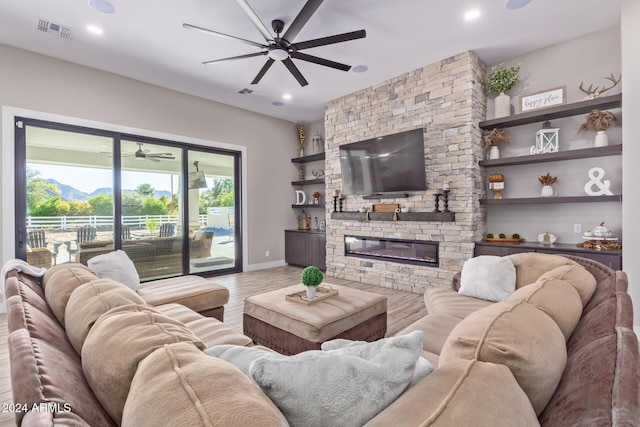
{"points": [[303, 221], [302, 135], [316, 197]]}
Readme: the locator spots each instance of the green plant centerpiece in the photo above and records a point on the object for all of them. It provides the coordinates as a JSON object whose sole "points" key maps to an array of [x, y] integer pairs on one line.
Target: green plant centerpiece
{"points": [[311, 277], [501, 79]]}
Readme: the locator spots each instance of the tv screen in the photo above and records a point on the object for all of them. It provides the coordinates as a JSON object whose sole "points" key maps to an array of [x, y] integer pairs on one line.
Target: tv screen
{"points": [[387, 164]]}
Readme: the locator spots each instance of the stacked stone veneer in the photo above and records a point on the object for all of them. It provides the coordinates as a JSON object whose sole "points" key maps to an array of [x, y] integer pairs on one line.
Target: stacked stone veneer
{"points": [[447, 100]]}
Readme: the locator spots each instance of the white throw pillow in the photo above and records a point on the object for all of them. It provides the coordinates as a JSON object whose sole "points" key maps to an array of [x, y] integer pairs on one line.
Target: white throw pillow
{"points": [[488, 277], [343, 387], [116, 266]]}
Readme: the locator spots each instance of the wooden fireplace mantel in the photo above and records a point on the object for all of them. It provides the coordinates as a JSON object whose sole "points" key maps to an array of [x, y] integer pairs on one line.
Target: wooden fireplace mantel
{"points": [[388, 216]]}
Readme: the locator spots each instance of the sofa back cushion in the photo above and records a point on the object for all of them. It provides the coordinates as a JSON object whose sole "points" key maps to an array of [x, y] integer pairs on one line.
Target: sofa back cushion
{"points": [[193, 389], [519, 336], [118, 341], [60, 281], [577, 276], [43, 372], [557, 298], [460, 393], [531, 265], [91, 300]]}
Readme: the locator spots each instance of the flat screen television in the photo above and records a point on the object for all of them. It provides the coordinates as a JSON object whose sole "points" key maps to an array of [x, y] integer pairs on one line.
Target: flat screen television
{"points": [[387, 164]]}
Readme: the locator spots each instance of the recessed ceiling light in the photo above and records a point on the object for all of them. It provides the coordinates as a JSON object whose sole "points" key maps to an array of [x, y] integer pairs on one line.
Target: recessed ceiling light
{"points": [[516, 4], [277, 103], [286, 96], [359, 68], [95, 30], [472, 15], [102, 6]]}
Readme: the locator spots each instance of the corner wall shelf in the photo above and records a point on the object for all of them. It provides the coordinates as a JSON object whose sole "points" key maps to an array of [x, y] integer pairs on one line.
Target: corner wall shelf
{"points": [[541, 200], [388, 216], [309, 205], [308, 181], [537, 116], [583, 153], [307, 159]]}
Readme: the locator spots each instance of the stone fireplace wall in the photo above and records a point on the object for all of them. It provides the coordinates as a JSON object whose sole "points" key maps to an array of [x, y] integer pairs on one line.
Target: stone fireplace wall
{"points": [[447, 100]]}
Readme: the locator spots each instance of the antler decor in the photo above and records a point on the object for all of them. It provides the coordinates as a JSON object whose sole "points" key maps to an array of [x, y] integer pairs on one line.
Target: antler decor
{"points": [[596, 92]]}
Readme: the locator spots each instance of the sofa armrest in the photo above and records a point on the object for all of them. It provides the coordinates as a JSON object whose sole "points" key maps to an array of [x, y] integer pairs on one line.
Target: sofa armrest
{"points": [[455, 282]]}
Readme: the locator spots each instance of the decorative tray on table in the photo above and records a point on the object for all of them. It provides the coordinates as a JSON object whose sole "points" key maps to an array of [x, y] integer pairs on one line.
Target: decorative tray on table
{"points": [[322, 293]]}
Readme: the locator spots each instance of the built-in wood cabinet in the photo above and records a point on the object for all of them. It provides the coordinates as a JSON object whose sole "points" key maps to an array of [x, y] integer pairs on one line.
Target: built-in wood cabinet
{"points": [[305, 247], [611, 258]]}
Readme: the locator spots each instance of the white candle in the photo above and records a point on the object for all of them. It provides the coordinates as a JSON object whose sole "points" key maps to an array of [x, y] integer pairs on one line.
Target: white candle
{"points": [[335, 192], [445, 185]]}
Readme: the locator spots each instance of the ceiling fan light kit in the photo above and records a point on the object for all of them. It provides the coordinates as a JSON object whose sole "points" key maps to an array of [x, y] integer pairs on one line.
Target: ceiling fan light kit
{"points": [[283, 49]]}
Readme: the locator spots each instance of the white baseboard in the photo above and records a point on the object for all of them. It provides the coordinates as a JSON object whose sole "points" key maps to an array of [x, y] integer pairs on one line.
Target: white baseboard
{"points": [[265, 265]]}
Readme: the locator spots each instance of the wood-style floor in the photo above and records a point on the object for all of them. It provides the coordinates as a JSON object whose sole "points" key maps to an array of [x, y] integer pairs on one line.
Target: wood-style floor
{"points": [[403, 308]]}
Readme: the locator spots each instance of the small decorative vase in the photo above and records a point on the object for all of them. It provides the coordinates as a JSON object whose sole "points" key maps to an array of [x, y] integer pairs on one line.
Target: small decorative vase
{"points": [[601, 139], [494, 153], [547, 191], [502, 106], [316, 201], [311, 292], [301, 152]]}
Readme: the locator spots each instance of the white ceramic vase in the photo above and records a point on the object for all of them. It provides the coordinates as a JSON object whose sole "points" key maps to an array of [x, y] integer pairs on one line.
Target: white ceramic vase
{"points": [[494, 153], [601, 139], [502, 106], [311, 292], [547, 191]]}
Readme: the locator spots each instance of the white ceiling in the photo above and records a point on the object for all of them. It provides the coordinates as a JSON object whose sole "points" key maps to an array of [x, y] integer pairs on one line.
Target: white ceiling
{"points": [[145, 40]]}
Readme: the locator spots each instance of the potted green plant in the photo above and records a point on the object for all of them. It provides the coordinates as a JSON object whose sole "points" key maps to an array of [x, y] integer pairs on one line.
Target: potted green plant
{"points": [[500, 80], [311, 277]]}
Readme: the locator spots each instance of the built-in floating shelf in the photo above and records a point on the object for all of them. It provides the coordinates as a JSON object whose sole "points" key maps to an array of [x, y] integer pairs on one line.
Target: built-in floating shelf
{"points": [[388, 216], [583, 153], [308, 181], [309, 205], [541, 200], [551, 113], [307, 159]]}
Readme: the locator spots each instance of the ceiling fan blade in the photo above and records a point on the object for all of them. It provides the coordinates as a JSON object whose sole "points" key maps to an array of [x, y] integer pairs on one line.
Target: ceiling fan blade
{"points": [[224, 36], [338, 38], [161, 156], [249, 55], [294, 70], [320, 61], [305, 14], [263, 71], [152, 159], [255, 20]]}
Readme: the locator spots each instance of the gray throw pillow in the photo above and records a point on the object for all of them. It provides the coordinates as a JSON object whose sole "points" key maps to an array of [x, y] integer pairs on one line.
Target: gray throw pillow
{"points": [[343, 387]]}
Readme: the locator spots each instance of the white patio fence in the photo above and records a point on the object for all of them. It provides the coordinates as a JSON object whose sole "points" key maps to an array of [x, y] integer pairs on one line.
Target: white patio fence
{"points": [[72, 222]]}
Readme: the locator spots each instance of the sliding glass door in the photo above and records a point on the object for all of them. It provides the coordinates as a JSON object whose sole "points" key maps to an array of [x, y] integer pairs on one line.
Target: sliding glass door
{"points": [[84, 192]]}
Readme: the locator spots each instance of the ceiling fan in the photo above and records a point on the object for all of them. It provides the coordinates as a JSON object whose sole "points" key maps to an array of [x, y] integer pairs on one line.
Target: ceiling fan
{"points": [[282, 48], [141, 154]]}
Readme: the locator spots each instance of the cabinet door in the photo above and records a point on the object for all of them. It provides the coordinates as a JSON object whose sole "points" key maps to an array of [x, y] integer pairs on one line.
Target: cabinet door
{"points": [[489, 250], [316, 250], [295, 248], [611, 260]]}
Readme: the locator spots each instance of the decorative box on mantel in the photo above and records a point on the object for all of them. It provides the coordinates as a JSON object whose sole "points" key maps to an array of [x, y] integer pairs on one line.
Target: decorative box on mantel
{"points": [[389, 216]]}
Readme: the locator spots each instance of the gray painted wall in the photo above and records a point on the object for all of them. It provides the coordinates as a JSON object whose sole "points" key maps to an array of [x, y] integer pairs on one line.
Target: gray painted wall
{"points": [[589, 58], [39, 83]]}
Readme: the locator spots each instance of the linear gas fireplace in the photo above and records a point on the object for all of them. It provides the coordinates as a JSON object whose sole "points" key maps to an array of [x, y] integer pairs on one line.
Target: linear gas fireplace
{"points": [[418, 252]]}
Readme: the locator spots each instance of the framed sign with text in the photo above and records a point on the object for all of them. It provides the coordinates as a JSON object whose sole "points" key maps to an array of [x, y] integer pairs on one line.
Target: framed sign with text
{"points": [[545, 99]]}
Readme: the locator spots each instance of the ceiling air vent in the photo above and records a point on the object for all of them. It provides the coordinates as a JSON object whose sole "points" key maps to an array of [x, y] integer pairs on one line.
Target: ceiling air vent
{"points": [[55, 29], [245, 91]]}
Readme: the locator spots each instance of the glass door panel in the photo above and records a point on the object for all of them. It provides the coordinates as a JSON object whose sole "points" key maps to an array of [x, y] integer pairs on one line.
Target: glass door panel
{"points": [[69, 189], [213, 243], [151, 209]]}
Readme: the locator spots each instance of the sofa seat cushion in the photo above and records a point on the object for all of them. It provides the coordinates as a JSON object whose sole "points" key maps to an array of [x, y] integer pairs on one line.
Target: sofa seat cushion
{"points": [[193, 389], [449, 302], [436, 328], [557, 298], [519, 336], [90, 301], [209, 330], [462, 393], [118, 341], [60, 281], [195, 292], [44, 372]]}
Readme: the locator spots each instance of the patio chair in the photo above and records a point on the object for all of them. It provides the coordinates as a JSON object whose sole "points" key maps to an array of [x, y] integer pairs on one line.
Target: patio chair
{"points": [[36, 239], [85, 233], [232, 225], [167, 230], [126, 232]]}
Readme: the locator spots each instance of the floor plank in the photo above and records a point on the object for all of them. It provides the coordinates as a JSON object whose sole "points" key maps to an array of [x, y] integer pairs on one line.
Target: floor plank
{"points": [[403, 308]]}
